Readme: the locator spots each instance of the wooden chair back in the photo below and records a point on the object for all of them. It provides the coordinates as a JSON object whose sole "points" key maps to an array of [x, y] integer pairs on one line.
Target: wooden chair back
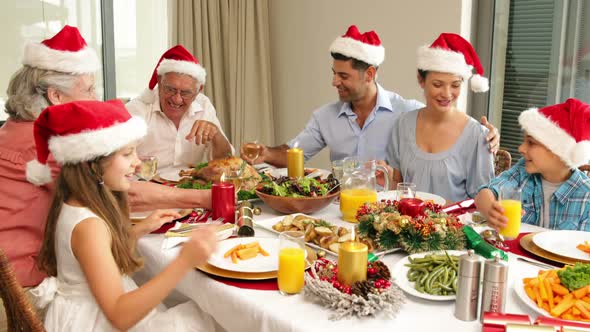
{"points": [[20, 313]]}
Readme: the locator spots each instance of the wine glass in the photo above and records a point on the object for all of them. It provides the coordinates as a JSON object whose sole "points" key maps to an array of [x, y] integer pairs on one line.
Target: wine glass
{"points": [[235, 178], [406, 190], [338, 169], [148, 167], [251, 149]]}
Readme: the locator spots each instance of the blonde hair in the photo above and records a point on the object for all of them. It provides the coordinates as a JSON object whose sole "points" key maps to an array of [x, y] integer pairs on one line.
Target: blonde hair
{"points": [[27, 91], [83, 182]]}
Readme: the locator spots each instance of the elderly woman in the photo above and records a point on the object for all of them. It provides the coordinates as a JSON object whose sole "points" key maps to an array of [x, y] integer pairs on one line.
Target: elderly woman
{"points": [[49, 76]]}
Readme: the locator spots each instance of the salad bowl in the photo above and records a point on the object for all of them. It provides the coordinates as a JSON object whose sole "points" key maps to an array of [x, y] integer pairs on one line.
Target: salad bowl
{"points": [[289, 205]]}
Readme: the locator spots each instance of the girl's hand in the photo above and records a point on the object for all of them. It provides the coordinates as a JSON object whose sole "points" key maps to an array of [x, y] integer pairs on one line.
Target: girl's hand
{"points": [[494, 215], [158, 218], [199, 247]]}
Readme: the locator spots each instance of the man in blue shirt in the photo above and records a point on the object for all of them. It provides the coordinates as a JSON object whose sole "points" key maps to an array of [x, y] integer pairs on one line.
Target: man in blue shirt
{"points": [[360, 123]]}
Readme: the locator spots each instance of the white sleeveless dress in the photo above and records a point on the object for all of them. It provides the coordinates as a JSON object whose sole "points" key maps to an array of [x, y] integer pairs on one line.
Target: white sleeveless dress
{"points": [[72, 306]]}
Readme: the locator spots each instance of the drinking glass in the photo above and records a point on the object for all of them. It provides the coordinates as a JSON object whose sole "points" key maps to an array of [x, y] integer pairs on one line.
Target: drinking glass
{"points": [[406, 190], [338, 169], [148, 167], [510, 199], [251, 149], [291, 262], [235, 178]]}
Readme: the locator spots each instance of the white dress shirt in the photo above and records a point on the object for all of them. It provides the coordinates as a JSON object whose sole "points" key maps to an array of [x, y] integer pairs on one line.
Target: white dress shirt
{"points": [[163, 140]]}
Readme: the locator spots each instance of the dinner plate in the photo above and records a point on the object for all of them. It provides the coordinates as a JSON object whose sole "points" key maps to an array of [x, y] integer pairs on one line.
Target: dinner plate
{"points": [[278, 172], [257, 264], [521, 293], [268, 223], [171, 174], [400, 274], [393, 195], [563, 243], [526, 242]]}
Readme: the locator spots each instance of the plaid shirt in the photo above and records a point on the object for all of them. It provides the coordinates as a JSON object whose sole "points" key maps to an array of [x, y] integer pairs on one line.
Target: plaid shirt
{"points": [[570, 204]]}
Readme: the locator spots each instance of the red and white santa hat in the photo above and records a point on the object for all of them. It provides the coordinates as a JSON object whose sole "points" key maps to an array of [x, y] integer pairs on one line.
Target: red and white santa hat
{"points": [[563, 128], [365, 47], [178, 60], [451, 53], [81, 131], [66, 52]]}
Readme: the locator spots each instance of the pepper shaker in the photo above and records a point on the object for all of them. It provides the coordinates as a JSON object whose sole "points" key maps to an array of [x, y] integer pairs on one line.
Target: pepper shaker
{"points": [[468, 287], [495, 277]]}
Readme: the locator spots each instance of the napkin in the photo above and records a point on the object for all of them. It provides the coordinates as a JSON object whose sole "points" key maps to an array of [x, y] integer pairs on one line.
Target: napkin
{"points": [[172, 239]]}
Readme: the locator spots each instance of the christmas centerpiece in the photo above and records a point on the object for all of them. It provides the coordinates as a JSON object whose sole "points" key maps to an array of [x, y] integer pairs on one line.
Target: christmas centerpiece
{"points": [[410, 224], [377, 294]]}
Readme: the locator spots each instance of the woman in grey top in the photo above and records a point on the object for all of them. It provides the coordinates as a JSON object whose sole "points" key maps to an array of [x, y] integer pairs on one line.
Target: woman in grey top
{"points": [[439, 148]]}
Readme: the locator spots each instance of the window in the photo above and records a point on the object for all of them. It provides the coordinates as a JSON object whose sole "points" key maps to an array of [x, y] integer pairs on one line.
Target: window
{"points": [[547, 59]]}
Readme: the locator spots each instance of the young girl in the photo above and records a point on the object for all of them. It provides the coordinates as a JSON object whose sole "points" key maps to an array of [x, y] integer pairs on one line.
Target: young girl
{"points": [[89, 245], [439, 148]]}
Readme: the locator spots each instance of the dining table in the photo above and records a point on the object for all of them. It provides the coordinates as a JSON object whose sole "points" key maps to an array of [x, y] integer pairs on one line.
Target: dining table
{"points": [[241, 309]]}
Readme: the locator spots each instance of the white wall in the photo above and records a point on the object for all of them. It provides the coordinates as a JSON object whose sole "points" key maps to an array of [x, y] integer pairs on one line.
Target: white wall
{"points": [[301, 32]]}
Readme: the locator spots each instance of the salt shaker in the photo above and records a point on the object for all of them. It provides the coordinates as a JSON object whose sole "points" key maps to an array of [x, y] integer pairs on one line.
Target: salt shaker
{"points": [[495, 275], [468, 287]]}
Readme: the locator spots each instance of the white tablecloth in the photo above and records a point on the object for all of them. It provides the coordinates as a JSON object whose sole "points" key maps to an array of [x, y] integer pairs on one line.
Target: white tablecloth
{"points": [[237, 309]]}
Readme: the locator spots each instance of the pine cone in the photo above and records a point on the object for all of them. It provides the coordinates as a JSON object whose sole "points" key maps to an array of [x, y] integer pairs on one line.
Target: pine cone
{"points": [[362, 288], [381, 270]]}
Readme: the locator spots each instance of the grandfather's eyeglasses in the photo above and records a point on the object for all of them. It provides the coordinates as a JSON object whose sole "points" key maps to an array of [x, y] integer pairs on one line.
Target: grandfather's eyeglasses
{"points": [[184, 94]]}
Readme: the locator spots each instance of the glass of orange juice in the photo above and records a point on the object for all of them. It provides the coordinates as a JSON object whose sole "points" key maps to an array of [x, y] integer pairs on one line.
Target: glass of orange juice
{"points": [[291, 262], [510, 201]]}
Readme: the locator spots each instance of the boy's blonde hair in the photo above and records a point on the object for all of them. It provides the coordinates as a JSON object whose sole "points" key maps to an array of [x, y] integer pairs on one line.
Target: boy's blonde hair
{"points": [[83, 182]]}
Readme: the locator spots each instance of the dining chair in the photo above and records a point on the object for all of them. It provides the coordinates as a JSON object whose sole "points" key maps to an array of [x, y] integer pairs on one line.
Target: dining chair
{"points": [[585, 169], [502, 161], [20, 313]]}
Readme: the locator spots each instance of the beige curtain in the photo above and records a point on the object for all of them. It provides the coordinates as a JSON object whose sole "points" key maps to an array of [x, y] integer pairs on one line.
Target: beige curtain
{"points": [[231, 40]]}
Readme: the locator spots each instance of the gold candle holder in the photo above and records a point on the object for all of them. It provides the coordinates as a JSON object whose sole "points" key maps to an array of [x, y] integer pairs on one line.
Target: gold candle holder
{"points": [[295, 162], [352, 262]]}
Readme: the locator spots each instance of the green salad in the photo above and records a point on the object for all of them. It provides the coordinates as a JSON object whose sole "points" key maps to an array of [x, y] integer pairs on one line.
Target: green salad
{"points": [[300, 187]]}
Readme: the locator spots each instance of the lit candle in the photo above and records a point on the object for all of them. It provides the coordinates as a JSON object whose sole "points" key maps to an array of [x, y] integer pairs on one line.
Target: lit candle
{"points": [[352, 262], [295, 162], [223, 201]]}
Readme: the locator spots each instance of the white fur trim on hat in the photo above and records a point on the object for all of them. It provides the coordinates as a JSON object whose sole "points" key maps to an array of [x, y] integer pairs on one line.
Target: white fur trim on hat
{"points": [[40, 56], [555, 138], [444, 61], [183, 67], [37, 173], [371, 54], [89, 145], [479, 83]]}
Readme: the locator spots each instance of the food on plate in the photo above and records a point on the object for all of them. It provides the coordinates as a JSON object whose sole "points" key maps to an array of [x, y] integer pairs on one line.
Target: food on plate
{"points": [[434, 274], [204, 174], [317, 231], [245, 251], [300, 187], [585, 247], [564, 293]]}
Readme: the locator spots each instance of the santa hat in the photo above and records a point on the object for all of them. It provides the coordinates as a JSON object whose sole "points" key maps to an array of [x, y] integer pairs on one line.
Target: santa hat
{"points": [[563, 128], [66, 52], [178, 60], [81, 131], [451, 53], [365, 47]]}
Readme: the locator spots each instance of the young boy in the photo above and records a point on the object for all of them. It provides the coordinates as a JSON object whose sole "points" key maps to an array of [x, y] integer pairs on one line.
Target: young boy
{"points": [[555, 194]]}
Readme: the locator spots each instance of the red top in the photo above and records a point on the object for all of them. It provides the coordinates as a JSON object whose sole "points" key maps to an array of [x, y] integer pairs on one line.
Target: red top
{"points": [[23, 206]]}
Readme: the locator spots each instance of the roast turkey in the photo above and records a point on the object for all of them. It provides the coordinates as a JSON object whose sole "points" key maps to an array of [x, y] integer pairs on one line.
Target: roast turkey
{"points": [[215, 168]]}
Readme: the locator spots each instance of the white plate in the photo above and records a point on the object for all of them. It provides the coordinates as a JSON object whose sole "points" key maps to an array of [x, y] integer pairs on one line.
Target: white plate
{"points": [[259, 263], [563, 243], [171, 174], [277, 172], [393, 194], [268, 223], [400, 273], [145, 214]]}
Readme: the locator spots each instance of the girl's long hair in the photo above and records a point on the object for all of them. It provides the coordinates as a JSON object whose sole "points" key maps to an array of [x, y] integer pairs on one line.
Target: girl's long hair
{"points": [[83, 182]]}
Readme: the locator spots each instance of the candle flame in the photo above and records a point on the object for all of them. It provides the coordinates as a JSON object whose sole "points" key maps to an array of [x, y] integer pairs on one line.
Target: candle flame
{"points": [[296, 145], [352, 236], [222, 177]]}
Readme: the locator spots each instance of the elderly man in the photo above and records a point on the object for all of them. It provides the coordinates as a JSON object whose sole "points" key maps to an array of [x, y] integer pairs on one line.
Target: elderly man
{"points": [[183, 127], [360, 123]]}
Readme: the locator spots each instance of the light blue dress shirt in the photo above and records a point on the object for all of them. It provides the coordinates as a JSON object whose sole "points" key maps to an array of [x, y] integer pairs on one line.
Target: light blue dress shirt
{"points": [[334, 125], [455, 174]]}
